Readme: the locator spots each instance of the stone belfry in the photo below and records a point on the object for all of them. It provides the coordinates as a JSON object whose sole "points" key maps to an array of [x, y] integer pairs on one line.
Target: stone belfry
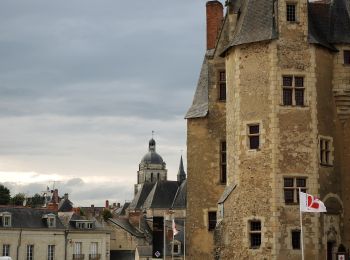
{"points": [[271, 115], [152, 168]]}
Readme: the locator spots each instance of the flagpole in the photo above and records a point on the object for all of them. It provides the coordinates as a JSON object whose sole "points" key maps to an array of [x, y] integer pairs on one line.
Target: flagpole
{"points": [[164, 236], [301, 228], [185, 239]]}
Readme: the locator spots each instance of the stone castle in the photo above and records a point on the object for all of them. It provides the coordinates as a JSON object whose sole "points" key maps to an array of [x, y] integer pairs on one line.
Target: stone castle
{"points": [[270, 115]]}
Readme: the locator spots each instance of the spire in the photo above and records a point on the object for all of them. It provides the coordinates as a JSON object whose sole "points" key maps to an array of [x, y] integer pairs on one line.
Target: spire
{"points": [[181, 174]]}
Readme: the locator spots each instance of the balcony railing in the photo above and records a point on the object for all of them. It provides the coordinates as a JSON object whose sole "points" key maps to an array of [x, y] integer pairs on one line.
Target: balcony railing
{"points": [[78, 256], [94, 256]]}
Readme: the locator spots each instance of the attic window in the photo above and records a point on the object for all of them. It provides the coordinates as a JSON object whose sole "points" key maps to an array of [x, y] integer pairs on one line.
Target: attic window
{"points": [[347, 57], [6, 219], [51, 221], [291, 12]]}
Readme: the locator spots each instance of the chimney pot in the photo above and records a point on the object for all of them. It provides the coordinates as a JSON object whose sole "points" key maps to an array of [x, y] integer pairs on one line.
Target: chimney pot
{"points": [[215, 15], [107, 204]]}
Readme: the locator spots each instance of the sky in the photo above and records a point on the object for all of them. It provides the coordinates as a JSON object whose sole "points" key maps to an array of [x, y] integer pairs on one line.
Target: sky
{"points": [[82, 85]]}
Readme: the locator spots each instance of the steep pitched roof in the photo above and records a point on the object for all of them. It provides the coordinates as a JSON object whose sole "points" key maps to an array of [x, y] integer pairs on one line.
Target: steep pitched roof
{"points": [[199, 106], [228, 190], [255, 22], [126, 225], [29, 217], [329, 23], [141, 196], [180, 197], [162, 195], [65, 205]]}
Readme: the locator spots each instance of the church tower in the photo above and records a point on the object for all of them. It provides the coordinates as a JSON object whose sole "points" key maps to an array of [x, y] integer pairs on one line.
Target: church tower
{"points": [[152, 168], [181, 174]]}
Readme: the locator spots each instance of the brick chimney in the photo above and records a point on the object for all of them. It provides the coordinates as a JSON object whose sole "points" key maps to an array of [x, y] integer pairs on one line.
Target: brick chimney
{"points": [[215, 15], [107, 204], [54, 196]]}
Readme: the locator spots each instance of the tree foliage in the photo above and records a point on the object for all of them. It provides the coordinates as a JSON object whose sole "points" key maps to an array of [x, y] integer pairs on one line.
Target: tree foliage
{"points": [[36, 201], [106, 214], [18, 199], [4, 195]]}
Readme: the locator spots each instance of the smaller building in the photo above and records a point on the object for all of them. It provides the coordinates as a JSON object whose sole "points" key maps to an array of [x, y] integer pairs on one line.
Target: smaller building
{"points": [[41, 234]]}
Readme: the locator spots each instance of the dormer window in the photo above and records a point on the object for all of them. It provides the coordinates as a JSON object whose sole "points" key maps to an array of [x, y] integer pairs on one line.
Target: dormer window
{"points": [[6, 219], [84, 224], [50, 220]]}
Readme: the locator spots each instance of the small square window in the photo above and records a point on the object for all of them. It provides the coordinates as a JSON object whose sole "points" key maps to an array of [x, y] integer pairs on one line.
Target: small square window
{"points": [[325, 151], [296, 239], [291, 12], [347, 57], [291, 189], [293, 91]]}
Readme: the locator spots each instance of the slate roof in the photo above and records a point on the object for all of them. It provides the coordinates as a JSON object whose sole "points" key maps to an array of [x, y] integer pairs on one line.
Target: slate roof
{"points": [[141, 196], [180, 197], [162, 195], [126, 225], [181, 174], [226, 193], [199, 106], [65, 205], [30, 218], [329, 23], [122, 210]]}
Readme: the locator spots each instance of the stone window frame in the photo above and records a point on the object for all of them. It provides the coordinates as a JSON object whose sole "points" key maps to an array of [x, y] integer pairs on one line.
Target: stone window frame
{"points": [[223, 163], [6, 219], [330, 150], [94, 247], [250, 135], [6, 249], [244, 133], [296, 12], [293, 87], [346, 57], [50, 252], [178, 244], [292, 232], [294, 188], [220, 82], [246, 238], [30, 252], [289, 245], [206, 217]]}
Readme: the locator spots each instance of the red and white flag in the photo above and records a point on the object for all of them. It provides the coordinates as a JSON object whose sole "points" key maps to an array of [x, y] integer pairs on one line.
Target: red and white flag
{"points": [[175, 231], [309, 203]]}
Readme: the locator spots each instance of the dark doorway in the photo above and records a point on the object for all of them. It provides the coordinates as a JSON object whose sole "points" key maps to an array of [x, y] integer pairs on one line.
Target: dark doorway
{"points": [[330, 246]]}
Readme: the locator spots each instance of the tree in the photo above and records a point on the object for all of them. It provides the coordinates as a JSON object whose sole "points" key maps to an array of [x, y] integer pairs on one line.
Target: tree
{"points": [[18, 199], [106, 214], [37, 201], [4, 195]]}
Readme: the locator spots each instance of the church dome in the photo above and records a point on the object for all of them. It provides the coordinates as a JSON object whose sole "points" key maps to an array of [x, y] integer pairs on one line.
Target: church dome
{"points": [[152, 157]]}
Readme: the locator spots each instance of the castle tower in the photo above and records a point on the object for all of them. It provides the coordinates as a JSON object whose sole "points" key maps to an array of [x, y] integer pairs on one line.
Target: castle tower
{"points": [[287, 127], [152, 168]]}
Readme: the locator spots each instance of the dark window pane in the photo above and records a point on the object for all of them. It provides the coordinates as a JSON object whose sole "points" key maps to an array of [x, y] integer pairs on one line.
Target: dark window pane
{"points": [[301, 182], [287, 96], [299, 82], [253, 129], [255, 225], [212, 220], [289, 196], [222, 76], [222, 94], [223, 177], [288, 182], [347, 57], [296, 239], [253, 142], [223, 146], [291, 13], [287, 81], [299, 97], [255, 240]]}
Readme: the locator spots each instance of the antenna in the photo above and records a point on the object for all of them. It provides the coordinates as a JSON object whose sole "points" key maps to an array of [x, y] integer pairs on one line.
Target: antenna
{"points": [[152, 134]]}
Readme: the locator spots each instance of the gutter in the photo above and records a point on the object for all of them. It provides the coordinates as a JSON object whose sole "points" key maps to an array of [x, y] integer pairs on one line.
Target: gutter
{"points": [[19, 243]]}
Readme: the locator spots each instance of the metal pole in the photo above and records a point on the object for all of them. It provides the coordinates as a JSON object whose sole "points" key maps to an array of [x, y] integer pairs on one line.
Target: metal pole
{"points": [[172, 247], [164, 235], [185, 238], [301, 229]]}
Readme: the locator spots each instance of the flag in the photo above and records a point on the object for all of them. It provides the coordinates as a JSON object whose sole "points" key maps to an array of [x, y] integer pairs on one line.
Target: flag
{"points": [[175, 231], [309, 203]]}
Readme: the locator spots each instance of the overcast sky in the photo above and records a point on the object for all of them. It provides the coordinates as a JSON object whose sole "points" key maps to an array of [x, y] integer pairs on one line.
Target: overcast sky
{"points": [[82, 85]]}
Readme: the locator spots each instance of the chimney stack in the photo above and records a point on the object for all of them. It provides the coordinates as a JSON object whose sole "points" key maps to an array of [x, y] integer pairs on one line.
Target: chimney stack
{"points": [[107, 204], [54, 196], [215, 15]]}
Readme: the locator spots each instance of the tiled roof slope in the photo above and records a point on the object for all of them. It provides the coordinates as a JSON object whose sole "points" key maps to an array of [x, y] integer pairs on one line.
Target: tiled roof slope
{"points": [[329, 23], [199, 106], [141, 196], [180, 197], [29, 218], [162, 195], [255, 23]]}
